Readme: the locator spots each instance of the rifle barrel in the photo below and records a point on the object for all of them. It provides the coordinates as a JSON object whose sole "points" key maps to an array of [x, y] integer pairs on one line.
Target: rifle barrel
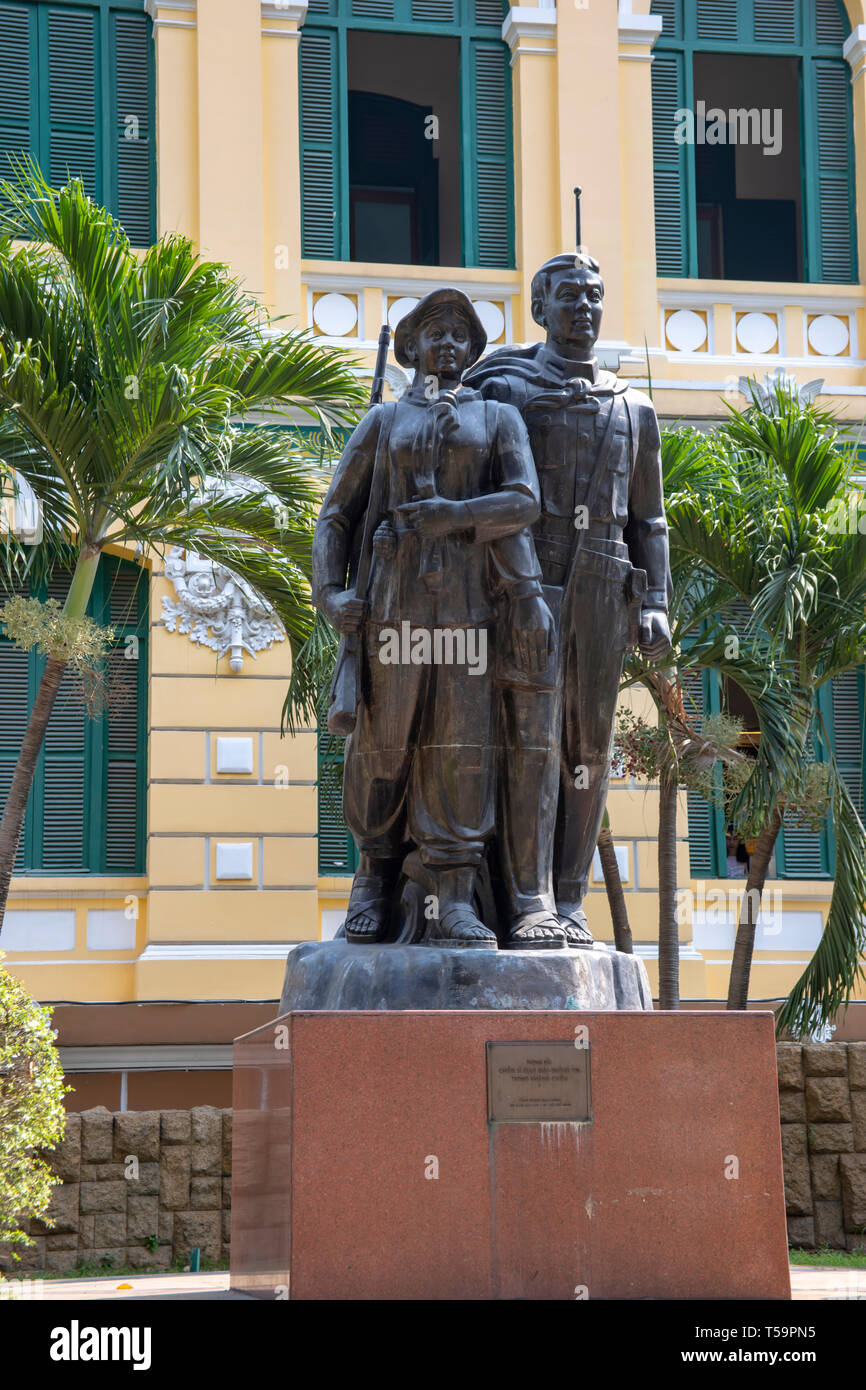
{"points": [[381, 359]]}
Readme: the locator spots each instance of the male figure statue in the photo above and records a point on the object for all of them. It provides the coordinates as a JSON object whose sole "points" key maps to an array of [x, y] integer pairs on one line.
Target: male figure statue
{"points": [[420, 766], [601, 539]]}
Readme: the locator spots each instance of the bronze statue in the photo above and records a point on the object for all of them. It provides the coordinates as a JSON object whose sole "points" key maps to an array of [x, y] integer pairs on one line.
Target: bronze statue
{"points": [[454, 590], [601, 540], [490, 654]]}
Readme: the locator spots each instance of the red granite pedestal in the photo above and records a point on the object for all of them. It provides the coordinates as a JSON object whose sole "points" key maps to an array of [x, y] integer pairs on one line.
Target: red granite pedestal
{"points": [[365, 1166]]}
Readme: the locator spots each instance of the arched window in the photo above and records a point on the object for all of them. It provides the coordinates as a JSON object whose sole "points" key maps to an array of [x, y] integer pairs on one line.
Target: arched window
{"points": [[753, 141], [77, 93], [406, 132]]}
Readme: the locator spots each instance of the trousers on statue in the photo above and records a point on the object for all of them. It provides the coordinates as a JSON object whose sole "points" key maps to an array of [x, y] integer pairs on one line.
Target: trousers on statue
{"points": [[419, 768], [556, 772]]}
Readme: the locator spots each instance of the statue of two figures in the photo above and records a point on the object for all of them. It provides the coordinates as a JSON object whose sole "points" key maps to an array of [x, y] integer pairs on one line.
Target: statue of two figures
{"points": [[489, 548]]}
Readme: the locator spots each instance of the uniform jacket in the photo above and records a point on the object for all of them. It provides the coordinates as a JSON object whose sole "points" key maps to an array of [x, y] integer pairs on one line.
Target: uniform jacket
{"points": [[566, 438], [486, 461]]}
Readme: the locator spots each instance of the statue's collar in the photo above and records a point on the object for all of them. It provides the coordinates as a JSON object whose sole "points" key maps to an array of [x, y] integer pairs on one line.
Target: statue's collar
{"points": [[550, 361], [417, 395]]}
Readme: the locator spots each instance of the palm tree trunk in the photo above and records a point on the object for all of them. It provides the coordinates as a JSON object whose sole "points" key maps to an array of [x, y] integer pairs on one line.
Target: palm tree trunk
{"points": [[11, 825], [759, 862], [669, 940], [613, 884]]}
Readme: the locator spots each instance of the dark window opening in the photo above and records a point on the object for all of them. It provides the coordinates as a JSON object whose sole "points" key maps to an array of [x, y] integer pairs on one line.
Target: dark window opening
{"points": [[748, 202], [404, 154]]}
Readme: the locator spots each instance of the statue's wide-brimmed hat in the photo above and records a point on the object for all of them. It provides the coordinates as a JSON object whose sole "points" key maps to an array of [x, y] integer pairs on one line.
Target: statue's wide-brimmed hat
{"points": [[408, 326]]}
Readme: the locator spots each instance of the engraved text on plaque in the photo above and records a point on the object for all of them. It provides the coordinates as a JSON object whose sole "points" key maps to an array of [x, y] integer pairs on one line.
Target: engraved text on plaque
{"points": [[537, 1082]]}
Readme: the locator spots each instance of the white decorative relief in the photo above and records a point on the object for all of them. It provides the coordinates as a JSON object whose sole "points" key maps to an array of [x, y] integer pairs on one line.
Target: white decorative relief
{"points": [[686, 330], [234, 755], [621, 852], [765, 390], [109, 929], [335, 314], [828, 335], [46, 930], [234, 861], [492, 319], [216, 609], [758, 332]]}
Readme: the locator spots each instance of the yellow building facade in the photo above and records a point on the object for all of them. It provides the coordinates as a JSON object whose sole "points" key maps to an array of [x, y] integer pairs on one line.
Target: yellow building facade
{"points": [[230, 879]]}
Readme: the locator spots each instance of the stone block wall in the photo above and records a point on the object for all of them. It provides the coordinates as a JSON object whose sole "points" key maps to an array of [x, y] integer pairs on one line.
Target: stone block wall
{"points": [[141, 1188], [822, 1101]]}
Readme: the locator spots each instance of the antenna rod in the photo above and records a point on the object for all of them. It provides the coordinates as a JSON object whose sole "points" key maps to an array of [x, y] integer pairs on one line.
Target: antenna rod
{"points": [[577, 193]]}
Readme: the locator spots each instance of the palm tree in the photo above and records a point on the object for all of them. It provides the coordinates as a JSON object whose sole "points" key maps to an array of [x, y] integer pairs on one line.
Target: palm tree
{"points": [[124, 383], [686, 752], [763, 523], [613, 886]]}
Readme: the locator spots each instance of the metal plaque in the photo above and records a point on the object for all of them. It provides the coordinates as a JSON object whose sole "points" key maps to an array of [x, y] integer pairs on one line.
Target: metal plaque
{"points": [[537, 1082]]}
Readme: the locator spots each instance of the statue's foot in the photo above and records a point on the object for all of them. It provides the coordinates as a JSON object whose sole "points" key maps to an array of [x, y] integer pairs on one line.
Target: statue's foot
{"points": [[536, 931], [459, 926], [368, 911], [577, 933]]}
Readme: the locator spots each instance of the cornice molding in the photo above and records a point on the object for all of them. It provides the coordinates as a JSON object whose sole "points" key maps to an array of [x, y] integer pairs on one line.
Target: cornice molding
{"points": [[524, 24], [294, 10], [638, 31], [854, 49], [157, 9]]}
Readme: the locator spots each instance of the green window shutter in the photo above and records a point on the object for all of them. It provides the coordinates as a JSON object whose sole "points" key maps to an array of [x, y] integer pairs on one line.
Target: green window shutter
{"points": [[490, 12], [15, 703], [74, 147], [63, 783], [373, 9], [120, 762], [121, 791], [717, 19], [805, 853], [17, 84], [86, 811], [849, 741], [134, 140], [671, 15], [776, 21], [433, 11], [491, 108], [701, 815], [337, 852], [836, 259], [830, 26], [669, 165], [320, 144]]}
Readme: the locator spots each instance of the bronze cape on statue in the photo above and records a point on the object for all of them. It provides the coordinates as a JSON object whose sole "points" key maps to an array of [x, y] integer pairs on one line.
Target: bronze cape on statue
{"points": [[517, 547]]}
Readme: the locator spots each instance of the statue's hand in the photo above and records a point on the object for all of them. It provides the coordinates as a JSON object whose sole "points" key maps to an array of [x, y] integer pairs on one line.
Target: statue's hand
{"points": [[655, 634], [532, 632], [344, 611], [385, 541], [436, 516]]}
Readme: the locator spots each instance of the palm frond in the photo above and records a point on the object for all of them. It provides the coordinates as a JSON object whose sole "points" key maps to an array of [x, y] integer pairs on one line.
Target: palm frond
{"points": [[829, 980]]}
